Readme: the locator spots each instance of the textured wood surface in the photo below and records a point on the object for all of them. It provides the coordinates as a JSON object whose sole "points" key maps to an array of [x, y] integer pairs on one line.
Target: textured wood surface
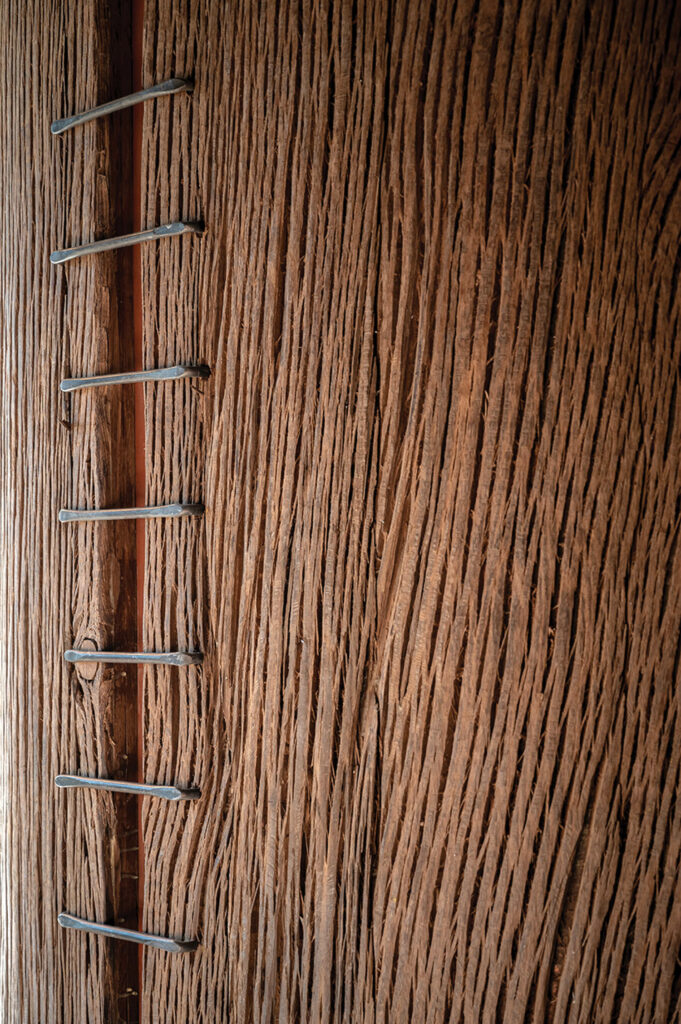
{"points": [[438, 583], [64, 586]]}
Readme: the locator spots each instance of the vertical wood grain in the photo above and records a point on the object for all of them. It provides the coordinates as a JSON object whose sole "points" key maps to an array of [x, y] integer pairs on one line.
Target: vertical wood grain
{"points": [[64, 586], [438, 583]]}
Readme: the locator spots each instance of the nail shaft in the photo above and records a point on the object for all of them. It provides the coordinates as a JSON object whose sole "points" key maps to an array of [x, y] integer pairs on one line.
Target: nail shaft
{"points": [[138, 376], [137, 788], [138, 657], [175, 511], [172, 85], [149, 235], [128, 935]]}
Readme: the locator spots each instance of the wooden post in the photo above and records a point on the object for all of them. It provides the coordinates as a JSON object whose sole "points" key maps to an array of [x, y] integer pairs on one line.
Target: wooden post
{"points": [[437, 728]]}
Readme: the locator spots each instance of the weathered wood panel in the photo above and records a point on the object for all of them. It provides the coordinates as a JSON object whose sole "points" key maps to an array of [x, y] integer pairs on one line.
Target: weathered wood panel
{"points": [[438, 583], [64, 585], [439, 580]]}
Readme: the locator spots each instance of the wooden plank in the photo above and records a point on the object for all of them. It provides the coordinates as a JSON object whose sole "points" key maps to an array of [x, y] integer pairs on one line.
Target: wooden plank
{"points": [[437, 728], [438, 583], [64, 585]]}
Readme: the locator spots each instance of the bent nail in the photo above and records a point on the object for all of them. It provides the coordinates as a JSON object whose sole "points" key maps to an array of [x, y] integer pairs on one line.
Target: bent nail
{"points": [[167, 88], [138, 657], [128, 935], [122, 241], [180, 372], [137, 788], [175, 511]]}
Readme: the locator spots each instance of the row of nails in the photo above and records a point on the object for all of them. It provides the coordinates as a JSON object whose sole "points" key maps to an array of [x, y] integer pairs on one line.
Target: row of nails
{"points": [[172, 511]]}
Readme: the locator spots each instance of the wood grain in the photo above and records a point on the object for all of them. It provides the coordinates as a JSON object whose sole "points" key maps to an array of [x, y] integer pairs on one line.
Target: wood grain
{"points": [[64, 586], [438, 583], [437, 730]]}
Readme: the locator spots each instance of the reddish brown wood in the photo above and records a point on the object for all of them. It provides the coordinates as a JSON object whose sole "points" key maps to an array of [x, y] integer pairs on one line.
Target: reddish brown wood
{"points": [[438, 584], [437, 729], [65, 585]]}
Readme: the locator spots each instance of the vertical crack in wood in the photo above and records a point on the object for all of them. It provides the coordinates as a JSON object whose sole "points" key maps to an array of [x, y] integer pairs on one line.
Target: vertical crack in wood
{"points": [[103, 554]]}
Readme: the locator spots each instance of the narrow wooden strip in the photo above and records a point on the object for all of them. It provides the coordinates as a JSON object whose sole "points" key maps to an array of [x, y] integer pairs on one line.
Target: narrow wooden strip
{"points": [[56, 853]]}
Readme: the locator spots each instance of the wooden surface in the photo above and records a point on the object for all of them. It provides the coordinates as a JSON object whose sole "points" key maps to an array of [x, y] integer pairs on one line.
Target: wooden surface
{"points": [[438, 583], [64, 585]]}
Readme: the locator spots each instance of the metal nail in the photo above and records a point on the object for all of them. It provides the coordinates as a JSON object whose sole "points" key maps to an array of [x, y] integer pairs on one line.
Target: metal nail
{"points": [[138, 788], [175, 511], [167, 88], [138, 376], [151, 234], [128, 935], [139, 657]]}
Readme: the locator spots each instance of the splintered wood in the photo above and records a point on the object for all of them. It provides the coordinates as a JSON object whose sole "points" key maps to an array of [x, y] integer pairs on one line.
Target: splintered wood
{"points": [[437, 732]]}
